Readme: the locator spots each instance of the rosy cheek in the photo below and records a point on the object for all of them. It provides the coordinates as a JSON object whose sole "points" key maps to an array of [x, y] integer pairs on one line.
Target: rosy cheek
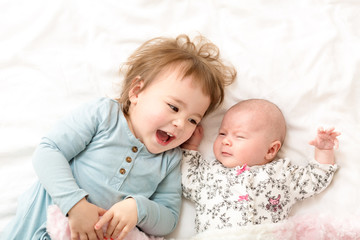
{"points": [[189, 130], [216, 144]]}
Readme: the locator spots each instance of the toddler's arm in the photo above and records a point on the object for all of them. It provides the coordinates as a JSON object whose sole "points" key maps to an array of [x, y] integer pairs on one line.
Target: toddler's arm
{"points": [[324, 144], [194, 141]]}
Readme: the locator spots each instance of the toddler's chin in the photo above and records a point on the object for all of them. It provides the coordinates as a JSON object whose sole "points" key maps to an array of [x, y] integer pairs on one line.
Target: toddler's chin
{"points": [[157, 150]]}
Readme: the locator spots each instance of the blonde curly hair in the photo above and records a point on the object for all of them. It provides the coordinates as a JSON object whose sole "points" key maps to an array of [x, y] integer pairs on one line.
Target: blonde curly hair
{"points": [[199, 59]]}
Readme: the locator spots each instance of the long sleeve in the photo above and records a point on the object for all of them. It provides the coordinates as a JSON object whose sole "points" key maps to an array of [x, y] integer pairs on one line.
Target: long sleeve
{"points": [[191, 173], [159, 214], [311, 179], [93, 153], [66, 140]]}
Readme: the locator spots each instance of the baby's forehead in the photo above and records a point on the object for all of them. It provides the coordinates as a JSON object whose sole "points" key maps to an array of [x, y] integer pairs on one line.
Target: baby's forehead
{"points": [[257, 114], [258, 107], [262, 113], [245, 118]]}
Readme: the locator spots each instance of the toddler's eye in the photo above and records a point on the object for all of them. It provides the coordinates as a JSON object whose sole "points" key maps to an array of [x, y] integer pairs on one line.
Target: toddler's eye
{"points": [[192, 121], [175, 109]]}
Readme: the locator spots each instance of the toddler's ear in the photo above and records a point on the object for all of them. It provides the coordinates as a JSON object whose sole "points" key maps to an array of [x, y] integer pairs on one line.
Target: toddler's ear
{"points": [[137, 85], [273, 150]]}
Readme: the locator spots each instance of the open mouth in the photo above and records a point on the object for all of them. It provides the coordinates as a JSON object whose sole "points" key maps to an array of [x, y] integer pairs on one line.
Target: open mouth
{"points": [[164, 137]]}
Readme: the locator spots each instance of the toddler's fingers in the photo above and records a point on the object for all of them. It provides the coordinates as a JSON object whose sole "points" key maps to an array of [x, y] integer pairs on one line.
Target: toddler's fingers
{"points": [[111, 228], [104, 219], [74, 236], [121, 234], [100, 234], [92, 235], [101, 211], [83, 236]]}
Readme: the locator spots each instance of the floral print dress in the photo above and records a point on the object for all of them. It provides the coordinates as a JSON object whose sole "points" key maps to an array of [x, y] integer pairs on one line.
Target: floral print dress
{"points": [[233, 197]]}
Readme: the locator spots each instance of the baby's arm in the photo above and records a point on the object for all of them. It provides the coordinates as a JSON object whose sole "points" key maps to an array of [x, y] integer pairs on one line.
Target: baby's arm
{"points": [[324, 144], [194, 141], [193, 165]]}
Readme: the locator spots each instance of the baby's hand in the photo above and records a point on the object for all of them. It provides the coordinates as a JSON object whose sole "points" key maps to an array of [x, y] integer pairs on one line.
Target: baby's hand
{"points": [[326, 139], [121, 219], [194, 141]]}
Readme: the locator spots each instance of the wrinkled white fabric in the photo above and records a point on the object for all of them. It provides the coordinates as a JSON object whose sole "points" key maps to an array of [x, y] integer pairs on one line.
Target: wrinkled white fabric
{"points": [[302, 55]]}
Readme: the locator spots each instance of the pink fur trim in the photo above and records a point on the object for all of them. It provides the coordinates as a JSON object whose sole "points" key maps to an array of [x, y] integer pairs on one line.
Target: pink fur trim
{"points": [[319, 227], [57, 224], [301, 227]]}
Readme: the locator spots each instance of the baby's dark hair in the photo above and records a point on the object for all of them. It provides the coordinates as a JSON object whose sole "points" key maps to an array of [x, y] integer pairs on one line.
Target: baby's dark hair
{"points": [[199, 59]]}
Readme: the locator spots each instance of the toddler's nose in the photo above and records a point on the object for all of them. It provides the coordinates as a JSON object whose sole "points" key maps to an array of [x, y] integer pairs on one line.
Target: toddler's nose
{"points": [[178, 123]]}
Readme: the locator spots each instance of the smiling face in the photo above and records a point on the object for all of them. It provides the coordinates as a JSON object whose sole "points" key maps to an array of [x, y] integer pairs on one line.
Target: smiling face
{"points": [[164, 114], [247, 136]]}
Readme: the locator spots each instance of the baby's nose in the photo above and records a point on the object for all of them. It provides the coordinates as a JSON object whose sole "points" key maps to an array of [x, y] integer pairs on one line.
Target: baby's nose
{"points": [[226, 141]]}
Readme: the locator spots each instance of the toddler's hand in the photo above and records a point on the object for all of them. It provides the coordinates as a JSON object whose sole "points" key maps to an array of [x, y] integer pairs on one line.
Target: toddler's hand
{"points": [[326, 139], [122, 218], [194, 141], [82, 218]]}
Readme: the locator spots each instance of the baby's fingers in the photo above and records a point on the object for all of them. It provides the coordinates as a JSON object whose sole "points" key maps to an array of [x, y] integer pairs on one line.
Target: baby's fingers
{"points": [[335, 134], [332, 134], [336, 143], [312, 142], [320, 130], [329, 131]]}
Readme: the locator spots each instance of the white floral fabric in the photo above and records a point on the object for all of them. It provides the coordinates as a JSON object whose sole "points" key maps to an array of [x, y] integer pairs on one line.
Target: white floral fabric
{"points": [[232, 197]]}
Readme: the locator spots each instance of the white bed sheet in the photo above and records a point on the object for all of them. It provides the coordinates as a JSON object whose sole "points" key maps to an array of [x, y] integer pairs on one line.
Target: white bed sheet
{"points": [[302, 55]]}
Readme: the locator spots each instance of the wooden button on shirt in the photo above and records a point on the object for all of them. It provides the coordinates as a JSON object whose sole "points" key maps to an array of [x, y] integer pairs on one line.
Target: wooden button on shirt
{"points": [[122, 171], [128, 159], [134, 149]]}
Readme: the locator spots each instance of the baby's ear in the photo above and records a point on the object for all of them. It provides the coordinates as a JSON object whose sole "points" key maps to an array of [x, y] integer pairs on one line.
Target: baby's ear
{"points": [[137, 85], [273, 150]]}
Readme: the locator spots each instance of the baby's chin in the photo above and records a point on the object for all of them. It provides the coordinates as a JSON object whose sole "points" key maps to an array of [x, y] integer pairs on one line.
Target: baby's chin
{"points": [[227, 163]]}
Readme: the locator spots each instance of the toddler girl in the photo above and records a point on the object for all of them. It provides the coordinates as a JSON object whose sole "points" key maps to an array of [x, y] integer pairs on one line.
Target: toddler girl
{"points": [[119, 159]]}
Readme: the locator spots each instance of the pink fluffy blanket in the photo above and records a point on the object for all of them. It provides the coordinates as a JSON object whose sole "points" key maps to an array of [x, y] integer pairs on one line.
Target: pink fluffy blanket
{"points": [[301, 227], [58, 227]]}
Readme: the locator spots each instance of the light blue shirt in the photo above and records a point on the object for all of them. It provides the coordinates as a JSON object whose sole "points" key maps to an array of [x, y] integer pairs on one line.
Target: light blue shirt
{"points": [[93, 153]]}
